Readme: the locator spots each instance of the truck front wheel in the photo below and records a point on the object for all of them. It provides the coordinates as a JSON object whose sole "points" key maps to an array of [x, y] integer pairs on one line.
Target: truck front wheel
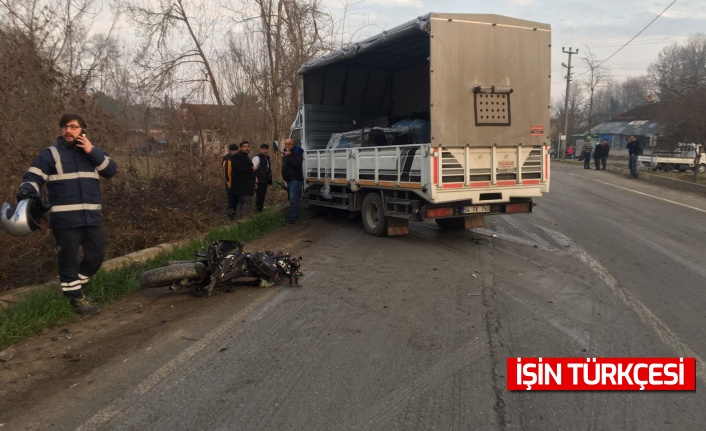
{"points": [[373, 214]]}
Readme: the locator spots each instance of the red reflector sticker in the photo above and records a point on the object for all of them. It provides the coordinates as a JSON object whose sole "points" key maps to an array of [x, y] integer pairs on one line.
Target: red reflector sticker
{"points": [[439, 212], [517, 208]]}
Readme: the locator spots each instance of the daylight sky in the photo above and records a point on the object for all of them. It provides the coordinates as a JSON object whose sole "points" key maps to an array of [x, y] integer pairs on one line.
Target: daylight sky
{"points": [[601, 25]]}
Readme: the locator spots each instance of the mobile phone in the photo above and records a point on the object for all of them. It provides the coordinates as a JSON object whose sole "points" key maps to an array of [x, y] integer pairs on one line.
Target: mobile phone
{"points": [[83, 133]]}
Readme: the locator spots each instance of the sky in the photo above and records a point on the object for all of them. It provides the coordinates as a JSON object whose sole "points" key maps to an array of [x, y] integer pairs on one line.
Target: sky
{"points": [[600, 25], [603, 26]]}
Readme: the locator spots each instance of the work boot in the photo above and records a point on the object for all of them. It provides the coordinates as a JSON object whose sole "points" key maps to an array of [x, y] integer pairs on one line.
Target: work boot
{"points": [[83, 305]]}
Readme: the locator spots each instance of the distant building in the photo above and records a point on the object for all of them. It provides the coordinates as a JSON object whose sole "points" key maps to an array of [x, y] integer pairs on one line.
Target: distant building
{"points": [[641, 121]]}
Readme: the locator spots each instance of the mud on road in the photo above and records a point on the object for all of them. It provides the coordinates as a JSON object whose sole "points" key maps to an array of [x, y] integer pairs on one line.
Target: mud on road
{"points": [[388, 333], [47, 365]]}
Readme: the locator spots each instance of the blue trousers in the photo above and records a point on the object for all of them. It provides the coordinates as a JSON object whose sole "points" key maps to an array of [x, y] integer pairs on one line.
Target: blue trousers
{"points": [[632, 163], [295, 195]]}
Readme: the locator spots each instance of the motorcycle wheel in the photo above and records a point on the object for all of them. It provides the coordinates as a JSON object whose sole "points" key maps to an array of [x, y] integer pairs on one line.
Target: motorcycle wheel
{"points": [[169, 275]]}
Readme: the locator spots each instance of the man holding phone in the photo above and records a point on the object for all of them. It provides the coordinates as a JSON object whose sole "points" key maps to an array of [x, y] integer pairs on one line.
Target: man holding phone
{"points": [[71, 170]]}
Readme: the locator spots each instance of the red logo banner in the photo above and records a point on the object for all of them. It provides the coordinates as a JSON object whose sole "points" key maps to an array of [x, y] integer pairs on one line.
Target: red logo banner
{"points": [[601, 374]]}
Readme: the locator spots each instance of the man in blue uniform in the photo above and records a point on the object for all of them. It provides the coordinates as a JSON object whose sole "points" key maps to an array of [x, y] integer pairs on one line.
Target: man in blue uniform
{"points": [[71, 170]]}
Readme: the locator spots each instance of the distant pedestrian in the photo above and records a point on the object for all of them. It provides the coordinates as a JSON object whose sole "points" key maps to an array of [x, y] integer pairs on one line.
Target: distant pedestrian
{"points": [[293, 175], [243, 179], [633, 151], [586, 153], [570, 152], [263, 176], [228, 176], [600, 156]]}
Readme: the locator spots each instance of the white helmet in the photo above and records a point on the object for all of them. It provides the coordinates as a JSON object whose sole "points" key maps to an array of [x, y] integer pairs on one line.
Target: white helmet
{"points": [[20, 220]]}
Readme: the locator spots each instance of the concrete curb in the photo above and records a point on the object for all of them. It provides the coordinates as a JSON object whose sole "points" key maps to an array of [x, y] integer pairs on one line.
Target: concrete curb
{"points": [[648, 177], [12, 297], [661, 181]]}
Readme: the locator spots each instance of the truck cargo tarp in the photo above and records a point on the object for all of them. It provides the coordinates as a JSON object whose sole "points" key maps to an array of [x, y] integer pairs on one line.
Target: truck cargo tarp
{"points": [[386, 40]]}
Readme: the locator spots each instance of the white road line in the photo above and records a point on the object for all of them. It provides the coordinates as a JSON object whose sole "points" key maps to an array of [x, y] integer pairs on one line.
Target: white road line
{"points": [[659, 327], [640, 193], [175, 364]]}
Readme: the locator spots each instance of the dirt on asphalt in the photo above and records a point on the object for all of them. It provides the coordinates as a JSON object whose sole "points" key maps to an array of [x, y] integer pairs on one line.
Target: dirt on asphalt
{"points": [[50, 362]]}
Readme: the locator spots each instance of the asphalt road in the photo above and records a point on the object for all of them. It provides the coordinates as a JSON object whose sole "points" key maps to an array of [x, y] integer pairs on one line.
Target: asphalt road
{"points": [[413, 332]]}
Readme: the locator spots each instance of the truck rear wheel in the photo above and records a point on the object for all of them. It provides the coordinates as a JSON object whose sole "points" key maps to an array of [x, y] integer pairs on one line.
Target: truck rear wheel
{"points": [[702, 168], [373, 214], [455, 223]]}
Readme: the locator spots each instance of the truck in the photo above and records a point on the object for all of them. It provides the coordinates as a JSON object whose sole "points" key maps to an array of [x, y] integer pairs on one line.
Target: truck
{"points": [[445, 117], [681, 158]]}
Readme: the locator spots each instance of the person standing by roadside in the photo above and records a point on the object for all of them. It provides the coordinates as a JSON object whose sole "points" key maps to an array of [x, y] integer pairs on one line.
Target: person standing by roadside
{"points": [[570, 152], [228, 176], [243, 179], [263, 176], [71, 170], [633, 151], [600, 156], [586, 152], [293, 175]]}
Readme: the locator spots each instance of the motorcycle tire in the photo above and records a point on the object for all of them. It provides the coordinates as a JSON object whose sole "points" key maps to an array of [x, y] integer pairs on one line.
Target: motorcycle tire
{"points": [[169, 275]]}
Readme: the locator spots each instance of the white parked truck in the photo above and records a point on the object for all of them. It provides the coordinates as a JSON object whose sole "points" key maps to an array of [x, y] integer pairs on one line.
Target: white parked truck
{"points": [[681, 158], [445, 117]]}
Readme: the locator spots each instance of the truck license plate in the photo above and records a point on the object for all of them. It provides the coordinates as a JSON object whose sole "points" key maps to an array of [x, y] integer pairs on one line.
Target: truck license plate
{"points": [[476, 209]]}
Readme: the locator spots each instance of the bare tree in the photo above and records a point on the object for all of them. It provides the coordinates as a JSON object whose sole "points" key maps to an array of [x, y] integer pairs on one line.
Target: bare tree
{"points": [[60, 29], [274, 41], [167, 57], [679, 76], [596, 77], [576, 113]]}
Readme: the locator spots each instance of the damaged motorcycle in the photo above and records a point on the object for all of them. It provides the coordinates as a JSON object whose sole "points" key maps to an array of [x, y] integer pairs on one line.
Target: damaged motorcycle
{"points": [[223, 264]]}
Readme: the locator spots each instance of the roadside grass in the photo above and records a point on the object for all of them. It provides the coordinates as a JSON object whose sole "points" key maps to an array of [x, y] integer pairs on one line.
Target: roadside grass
{"points": [[41, 309], [682, 176], [38, 311], [687, 176]]}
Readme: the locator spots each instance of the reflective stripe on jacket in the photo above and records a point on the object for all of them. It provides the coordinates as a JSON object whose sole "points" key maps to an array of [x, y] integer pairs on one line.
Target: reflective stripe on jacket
{"points": [[72, 181]]}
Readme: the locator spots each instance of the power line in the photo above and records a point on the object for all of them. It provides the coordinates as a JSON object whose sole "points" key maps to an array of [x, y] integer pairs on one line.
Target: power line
{"points": [[634, 37]]}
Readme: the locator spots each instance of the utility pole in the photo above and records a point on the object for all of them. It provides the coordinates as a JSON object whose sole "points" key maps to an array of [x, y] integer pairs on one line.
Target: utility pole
{"points": [[562, 147]]}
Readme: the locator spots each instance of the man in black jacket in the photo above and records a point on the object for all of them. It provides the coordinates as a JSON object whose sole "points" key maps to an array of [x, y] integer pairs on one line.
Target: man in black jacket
{"points": [[71, 170], [294, 177], [633, 151], [243, 179], [263, 176], [601, 154]]}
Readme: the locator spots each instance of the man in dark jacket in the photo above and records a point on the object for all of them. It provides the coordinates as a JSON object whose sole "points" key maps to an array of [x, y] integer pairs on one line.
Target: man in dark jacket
{"points": [[243, 179], [633, 151], [294, 177], [228, 176], [263, 176], [71, 170], [600, 156]]}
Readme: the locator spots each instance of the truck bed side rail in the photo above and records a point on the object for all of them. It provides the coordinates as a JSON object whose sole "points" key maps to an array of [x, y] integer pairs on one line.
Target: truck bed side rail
{"points": [[438, 174]]}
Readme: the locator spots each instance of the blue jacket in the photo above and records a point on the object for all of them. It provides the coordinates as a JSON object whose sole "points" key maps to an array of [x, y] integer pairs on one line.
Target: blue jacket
{"points": [[72, 183]]}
